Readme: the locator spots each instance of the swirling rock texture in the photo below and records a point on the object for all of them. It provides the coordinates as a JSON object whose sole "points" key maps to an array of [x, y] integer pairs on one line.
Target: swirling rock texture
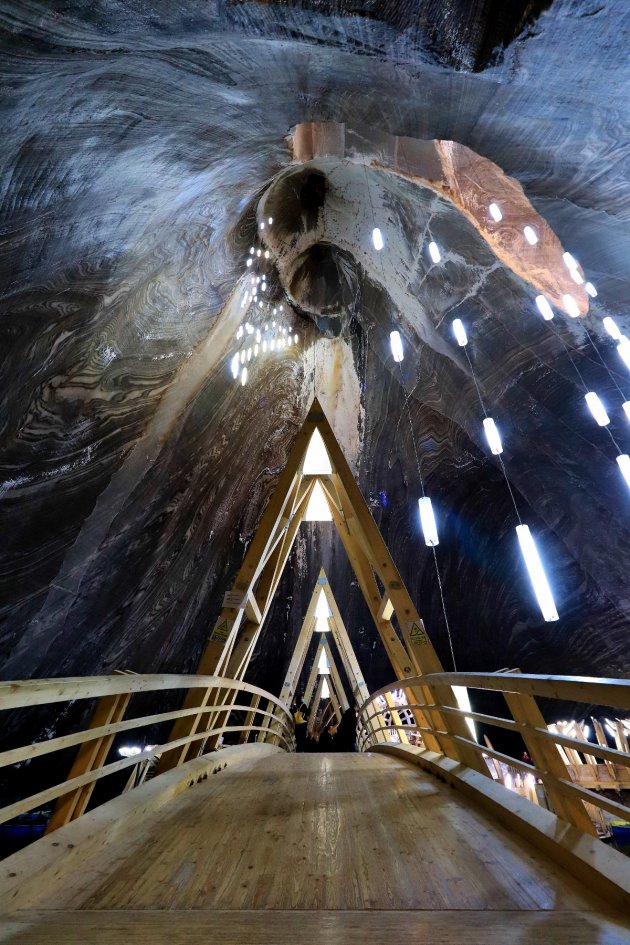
{"points": [[142, 146]]}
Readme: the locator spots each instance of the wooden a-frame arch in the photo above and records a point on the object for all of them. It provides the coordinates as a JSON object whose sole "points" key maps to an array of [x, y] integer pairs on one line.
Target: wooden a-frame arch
{"points": [[246, 605]]}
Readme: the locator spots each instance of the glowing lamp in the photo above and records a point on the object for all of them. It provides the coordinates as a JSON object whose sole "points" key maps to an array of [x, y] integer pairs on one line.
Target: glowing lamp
{"points": [[597, 408], [377, 238], [544, 307], [460, 332], [492, 436], [536, 573], [427, 520], [396, 345]]}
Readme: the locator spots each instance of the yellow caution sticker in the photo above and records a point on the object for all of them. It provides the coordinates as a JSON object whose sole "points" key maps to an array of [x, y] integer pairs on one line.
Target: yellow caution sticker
{"points": [[418, 635], [221, 631]]}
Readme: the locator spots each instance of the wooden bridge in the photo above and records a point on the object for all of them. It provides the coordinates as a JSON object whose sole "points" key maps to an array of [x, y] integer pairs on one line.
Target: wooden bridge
{"points": [[254, 843]]}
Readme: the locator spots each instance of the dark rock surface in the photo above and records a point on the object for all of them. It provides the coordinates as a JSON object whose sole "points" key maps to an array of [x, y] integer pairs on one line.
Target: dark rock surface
{"points": [[137, 142]]}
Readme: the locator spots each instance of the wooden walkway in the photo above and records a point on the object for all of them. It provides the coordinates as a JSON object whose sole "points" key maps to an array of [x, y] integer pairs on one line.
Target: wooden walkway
{"points": [[319, 848]]}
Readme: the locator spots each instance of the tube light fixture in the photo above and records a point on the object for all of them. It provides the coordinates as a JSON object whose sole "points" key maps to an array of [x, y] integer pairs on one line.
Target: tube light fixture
{"points": [[270, 221], [623, 461], [577, 276], [235, 366], [244, 377], [251, 250], [536, 573], [460, 332], [571, 306], [590, 288], [396, 345], [530, 235], [427, 520], [262, 225], [249, 261], [612, 327], [569, 261], [626, 408], [597, 408], [377, 238], [544, 307], [492, 436], [624, 350], [434, 252], [495, 212]]}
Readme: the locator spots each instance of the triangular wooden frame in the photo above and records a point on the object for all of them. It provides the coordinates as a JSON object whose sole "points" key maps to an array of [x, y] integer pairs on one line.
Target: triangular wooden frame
{"points": [[246, 605]]}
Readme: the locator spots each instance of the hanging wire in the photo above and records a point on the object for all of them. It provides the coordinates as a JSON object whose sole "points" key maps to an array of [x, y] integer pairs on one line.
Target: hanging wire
{"points": [[499, 456], [583, 382]]}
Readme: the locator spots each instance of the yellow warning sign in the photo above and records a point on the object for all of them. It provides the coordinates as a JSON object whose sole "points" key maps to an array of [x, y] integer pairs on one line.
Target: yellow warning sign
{"points": [[418, 635], [221, 632]]}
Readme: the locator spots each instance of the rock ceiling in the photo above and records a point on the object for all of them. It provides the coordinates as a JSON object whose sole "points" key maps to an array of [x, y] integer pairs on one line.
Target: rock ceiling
{"points": [[142, 146]]}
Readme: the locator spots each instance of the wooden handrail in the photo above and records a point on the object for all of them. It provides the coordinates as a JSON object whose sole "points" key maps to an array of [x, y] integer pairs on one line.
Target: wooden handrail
{"points": [[95, 742], [566, 796]]}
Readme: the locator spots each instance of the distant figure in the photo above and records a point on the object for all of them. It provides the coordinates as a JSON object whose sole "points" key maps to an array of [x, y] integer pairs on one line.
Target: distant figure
{"points": [[327, 739], [300, 718], [346, 732]]}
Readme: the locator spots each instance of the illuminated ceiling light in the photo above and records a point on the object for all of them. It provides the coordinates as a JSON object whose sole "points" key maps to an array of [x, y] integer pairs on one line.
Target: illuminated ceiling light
{"points": [[434, 252], [260, 305], [544, 307], [249, 261], [624, 350], [460, 333], [281, 308], [249, 354], [259, 252], [569, 261], [267, 254], [242, 357], [495, 212], [239, 333], [612, 327], [590, 288], [322, 610], [270, 221], [463, 701], [492, 436], [244, 377], [377, 238], [623, 461], [128, 751], [264, 287], [571, 306], [597, 408], [295, 338], [396, 346], [255, 351], [262, 224], [258, 334], [317, 461], [427, 520], [323, 667], [234, 366], [577, 276], [626, 408], [273, 324], [321, 624], [264, 345], [317, 509], [251, 250], [272, 344], [530, 235], [325, 689], [275, 312], [536, 573]]}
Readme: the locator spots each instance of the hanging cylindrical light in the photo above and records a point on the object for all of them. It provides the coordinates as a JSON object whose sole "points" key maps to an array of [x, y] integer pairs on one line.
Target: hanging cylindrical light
{"points": [[434, 252], [590, 288], [495, 212], [623, 461], [570, 306], [427, 520], [626, 408], [377, 238], [544, 307], [597, 408], [460, 332], [611, 327], [624, 350], [235, 366], [536, 573], [492, 436], [396, 345], [530, 235]]}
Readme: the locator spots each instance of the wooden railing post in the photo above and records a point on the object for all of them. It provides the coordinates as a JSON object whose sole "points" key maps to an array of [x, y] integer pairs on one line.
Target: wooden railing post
{"points": [[90, 756], [249, 718], [547, 760]]}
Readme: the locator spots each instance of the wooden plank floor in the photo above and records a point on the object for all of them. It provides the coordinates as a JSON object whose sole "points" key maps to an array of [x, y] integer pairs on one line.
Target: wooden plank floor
{"points": [[329, 832], [312, 928]]}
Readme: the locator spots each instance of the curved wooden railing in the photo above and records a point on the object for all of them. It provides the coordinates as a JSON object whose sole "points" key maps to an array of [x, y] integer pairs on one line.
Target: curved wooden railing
{"points": [[96, 742], [379, 719]]}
